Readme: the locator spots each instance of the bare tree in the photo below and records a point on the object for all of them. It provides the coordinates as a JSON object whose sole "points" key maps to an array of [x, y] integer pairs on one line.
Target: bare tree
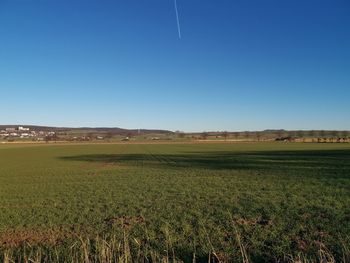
{"points": [[47, 138], [334, 135], [54, 137], [91, 135], [204, 135], [109, 136], [225, 135], [247, 135], [322, 134], [279, 133], [300, 134], [180, 134], [258, 136], [344, 134], [311, 133]]}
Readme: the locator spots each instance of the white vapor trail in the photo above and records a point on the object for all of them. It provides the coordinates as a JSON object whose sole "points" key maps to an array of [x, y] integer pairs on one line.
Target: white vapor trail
{"points": [[177, 19]]}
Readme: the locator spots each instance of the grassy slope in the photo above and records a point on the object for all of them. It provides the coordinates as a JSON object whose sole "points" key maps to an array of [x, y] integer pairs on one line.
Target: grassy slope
{"points": [[281, 198]]}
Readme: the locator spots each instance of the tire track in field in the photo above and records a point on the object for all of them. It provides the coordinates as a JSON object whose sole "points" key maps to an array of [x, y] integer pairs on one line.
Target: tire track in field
{"points": [[92, 167], [159, 158], [168, 160]]}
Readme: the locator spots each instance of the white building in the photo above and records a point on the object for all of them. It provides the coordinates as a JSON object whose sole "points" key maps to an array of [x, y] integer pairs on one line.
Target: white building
{"points": [[20, 128]]}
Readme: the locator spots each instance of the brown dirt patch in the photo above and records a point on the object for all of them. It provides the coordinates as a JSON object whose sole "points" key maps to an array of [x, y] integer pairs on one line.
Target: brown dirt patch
{"points": [[253, 221], [18, 237], [126, 222]]}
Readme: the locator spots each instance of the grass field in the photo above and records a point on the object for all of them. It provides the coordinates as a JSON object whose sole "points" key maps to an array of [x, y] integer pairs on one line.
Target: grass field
{"points": [[253, 202]]}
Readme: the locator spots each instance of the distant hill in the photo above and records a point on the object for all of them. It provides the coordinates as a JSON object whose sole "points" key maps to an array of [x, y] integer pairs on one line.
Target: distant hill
{"points": [[114, 130], [272, 133]]}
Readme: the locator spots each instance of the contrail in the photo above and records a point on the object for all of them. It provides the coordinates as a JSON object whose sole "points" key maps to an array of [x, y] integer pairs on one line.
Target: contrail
{"points": [[177, 19]]}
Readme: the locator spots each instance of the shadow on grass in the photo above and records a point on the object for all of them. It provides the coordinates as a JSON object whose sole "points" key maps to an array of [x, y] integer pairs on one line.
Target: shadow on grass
{"points": [[261, 160]]}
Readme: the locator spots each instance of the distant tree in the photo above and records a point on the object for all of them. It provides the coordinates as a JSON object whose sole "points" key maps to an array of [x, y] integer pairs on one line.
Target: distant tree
{"points": [[204, 135], [225, 135], [180, 134], [311, 133], [334, 135], [291, 134], [344, 134], [90, 135], [47, 138], [258, 136], [322, 133], [247, 134], [109, 135], [279, 133], [235, 135], [54, 137], [300, 134]]}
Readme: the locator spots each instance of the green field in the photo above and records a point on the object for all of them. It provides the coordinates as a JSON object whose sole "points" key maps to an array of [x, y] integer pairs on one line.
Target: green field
{"points": [[256, 202]]}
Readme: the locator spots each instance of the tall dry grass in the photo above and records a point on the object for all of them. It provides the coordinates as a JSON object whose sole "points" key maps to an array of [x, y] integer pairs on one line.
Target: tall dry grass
{"points": [[128, 249]]}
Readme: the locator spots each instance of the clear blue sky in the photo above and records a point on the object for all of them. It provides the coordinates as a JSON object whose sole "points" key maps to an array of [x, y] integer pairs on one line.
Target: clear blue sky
{"points": [[240, 65]]}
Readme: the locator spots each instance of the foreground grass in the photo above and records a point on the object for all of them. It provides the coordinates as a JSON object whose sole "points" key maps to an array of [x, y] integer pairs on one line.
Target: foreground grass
{"points": [[261, 202]]}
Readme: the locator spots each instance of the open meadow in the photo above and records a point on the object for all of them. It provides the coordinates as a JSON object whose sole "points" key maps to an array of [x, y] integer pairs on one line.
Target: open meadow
{"points": [[219, 202]]}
